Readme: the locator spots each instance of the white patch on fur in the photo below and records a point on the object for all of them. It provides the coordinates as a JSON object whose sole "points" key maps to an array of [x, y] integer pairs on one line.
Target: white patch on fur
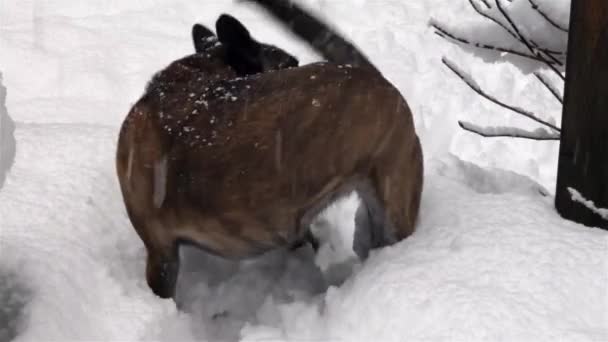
{"points": [[335, 230], [130, 163], [160, 182]]}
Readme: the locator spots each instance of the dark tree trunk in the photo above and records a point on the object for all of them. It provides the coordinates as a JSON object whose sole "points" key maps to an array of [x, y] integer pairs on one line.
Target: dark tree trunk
{"points": [[583, 155]]}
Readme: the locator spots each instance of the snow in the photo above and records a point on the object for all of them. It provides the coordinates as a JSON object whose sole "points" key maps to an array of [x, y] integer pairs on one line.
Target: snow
{"points": [[335, 249], [491, 259], [498, 131]]}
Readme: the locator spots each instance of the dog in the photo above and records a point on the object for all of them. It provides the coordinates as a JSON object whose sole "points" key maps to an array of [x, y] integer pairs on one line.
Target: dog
{"points": [[240, 165]]}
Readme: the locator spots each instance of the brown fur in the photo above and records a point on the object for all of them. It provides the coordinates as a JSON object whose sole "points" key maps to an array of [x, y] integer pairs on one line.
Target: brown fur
{"points": [[239, 167]]}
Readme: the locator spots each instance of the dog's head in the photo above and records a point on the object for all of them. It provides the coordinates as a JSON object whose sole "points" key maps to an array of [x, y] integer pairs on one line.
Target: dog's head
{"points": [[242, 52]]}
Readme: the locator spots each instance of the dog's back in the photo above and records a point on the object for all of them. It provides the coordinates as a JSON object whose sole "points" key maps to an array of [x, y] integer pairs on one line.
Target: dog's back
{"points": [[241, 165], [235, 167], [397, 180]]}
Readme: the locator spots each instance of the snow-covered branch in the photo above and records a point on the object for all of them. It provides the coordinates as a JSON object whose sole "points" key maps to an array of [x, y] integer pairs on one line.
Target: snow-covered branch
{"points": [[553, 22], [466, 78], [511, 132], [533, 47], [446, 34], [499, 15], [578, 197], [491, 18], [512, 33]]}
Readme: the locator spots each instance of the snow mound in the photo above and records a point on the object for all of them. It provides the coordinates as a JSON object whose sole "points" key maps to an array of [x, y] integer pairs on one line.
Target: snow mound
{"points": [[62, 221], [491, 259], [484, 265]]}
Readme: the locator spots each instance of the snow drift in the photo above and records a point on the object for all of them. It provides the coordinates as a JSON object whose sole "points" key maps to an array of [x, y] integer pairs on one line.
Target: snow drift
{"points": [[491, 259]]}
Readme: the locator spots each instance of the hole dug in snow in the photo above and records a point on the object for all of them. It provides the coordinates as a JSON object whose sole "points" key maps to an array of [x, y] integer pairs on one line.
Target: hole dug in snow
{"points": [[224, 296], [14, 297]]}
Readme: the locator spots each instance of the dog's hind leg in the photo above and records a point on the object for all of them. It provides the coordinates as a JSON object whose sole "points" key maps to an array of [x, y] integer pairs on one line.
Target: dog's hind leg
{"points": [[373, 227], [161, 271], [162, 264], [399, 179]]}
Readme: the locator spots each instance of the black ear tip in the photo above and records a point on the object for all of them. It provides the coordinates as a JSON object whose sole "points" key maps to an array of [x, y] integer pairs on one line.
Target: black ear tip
{"points": [[202, 37], [225, 20], [229, 25], [226, 17], [196, 29], [201, 32]]}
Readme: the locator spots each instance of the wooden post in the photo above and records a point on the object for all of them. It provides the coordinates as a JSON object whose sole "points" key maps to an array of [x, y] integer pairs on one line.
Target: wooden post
{"points": [[583, 155]]}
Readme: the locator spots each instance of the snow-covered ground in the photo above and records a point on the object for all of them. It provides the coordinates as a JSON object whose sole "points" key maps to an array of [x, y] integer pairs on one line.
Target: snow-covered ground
{"points": [[491, 259]]}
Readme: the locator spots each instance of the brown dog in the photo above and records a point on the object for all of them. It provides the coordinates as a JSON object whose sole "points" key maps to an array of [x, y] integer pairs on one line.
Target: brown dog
{"points": [[241, 165]]}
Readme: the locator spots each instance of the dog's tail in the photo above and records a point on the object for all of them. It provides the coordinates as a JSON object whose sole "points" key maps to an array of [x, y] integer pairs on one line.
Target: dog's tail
{"points": [[324, 39]]}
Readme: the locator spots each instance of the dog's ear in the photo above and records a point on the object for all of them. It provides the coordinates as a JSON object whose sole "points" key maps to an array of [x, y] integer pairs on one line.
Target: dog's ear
{"points": [[242, 51], [232, 32], [203, 38]]}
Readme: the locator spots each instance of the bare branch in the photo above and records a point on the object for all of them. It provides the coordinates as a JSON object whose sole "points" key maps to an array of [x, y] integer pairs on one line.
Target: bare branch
{"points": [[491, 18], [525, 41], [485, 2], [509, 132], [444, 33], [547, 18], [549, 53], [549, 86], [473, 85], [484, 14]]}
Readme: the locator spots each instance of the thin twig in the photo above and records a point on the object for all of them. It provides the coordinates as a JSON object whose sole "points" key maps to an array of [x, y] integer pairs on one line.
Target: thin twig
{"points": [[507, 132], [529, 44], [549, 86], [547, 18], [485, 2], [443, 33], [491, 18], [549, 52], [523, 39], [471, 83], [509, 31]]}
